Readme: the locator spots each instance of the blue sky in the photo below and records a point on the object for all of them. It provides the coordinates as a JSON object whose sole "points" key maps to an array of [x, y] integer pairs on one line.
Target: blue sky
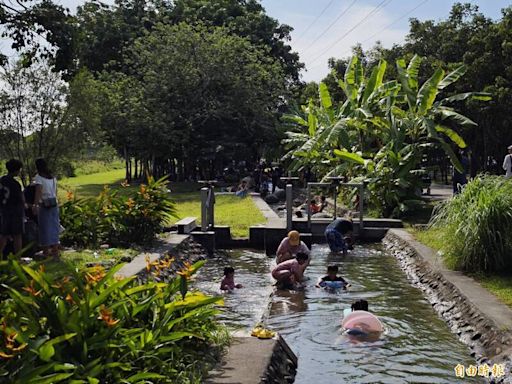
{"points": [[316, 47], [329, 28]]}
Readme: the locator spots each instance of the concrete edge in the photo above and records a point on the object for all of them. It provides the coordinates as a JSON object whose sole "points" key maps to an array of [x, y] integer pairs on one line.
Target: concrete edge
{"points": [[264, 207], [138, 263], [474, 314]]}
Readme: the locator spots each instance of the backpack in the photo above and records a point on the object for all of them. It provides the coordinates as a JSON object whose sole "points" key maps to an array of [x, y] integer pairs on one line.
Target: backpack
{"points": [[4, 194]]}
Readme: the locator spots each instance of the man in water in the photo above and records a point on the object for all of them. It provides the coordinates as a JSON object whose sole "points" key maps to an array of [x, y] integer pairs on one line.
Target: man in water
{"points": [[339, 235]]}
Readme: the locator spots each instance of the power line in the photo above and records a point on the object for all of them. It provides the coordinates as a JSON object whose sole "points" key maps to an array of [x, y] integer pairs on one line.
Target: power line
{"points": [[395, 21], [330, 25], [316, 19], [380, 6]]}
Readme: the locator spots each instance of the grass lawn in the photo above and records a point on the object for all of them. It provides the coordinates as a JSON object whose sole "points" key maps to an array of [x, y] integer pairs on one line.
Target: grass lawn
{"points": [[230, 210], [78, 259], [499, 285], [91, 185]]}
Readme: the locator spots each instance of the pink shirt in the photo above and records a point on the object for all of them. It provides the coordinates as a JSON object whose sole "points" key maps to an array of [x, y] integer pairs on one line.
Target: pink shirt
{"points": [[286, 247]]}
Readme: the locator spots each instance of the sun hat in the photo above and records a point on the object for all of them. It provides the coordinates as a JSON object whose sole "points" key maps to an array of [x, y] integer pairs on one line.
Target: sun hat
{"points": [[509, 147], [293, 238]]}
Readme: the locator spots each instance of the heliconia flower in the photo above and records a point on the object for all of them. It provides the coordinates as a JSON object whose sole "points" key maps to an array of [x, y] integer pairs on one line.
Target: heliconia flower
{"points": [[186, 271], [106, 317], [30, 289], [70, 195]]}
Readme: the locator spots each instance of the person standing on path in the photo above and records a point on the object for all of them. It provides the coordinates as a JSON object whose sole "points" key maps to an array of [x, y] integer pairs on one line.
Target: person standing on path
{"points": [[47, 210], [507, 163], [12, 207]]}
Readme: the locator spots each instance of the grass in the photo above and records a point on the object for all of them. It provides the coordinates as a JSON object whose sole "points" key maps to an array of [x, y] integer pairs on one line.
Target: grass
{"points": [[230, 210], [79, 259], [499, 285], [237, 213], [91, 185]]}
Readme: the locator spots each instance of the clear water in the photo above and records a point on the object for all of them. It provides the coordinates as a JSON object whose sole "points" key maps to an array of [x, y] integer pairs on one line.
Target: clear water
{"points": [[417, 346]]}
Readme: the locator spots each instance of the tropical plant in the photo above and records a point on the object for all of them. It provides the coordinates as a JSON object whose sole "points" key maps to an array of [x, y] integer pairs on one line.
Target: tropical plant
{"points": [[91, 327], [115, 219], [379, 134], [475, 226]]}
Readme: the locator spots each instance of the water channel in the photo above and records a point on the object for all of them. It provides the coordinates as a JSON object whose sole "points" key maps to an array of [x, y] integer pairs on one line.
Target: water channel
{"points": [[417, 346]]}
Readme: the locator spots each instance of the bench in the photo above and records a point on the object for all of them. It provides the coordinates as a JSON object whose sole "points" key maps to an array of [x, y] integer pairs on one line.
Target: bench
{"points": [[186, 225]]}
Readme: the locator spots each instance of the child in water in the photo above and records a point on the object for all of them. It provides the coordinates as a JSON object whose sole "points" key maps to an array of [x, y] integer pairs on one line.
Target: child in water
{"points": [[332, 280], [228, 282], [360, 322]]}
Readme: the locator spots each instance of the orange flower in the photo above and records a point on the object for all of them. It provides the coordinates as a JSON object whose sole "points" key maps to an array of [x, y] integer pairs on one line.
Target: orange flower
{"points": [[186, 271], [106, 317], [42, 268], [69, 299], [148, 263], [142, 188], [96, 274], [30, 289], [70, 195], [5, 356], [10, 343], [130, 203]]}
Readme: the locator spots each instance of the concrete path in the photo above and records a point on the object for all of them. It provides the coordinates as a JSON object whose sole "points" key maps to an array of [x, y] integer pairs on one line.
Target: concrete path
{"points": [[439, 192], [480, 297]]}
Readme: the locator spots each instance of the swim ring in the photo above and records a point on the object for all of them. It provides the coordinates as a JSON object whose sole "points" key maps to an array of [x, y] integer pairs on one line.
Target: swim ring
{"points": [[332, 284], [362, 322]]}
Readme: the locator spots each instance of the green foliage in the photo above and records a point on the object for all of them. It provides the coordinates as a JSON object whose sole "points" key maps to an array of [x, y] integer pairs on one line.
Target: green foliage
{"points": [[91, 327], [115, 219], [475, 226], [380, 132]]}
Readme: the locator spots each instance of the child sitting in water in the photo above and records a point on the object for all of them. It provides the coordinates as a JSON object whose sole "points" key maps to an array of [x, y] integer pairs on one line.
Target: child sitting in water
{"points": [[228, 282], [332, 280]]}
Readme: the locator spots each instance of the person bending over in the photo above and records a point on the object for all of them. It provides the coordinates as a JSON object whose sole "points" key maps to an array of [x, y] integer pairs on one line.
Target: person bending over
{"points": [[339, 235], [290, 273]]}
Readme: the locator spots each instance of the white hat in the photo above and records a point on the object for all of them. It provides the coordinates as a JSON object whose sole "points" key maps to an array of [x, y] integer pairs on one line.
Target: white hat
{"points": [[509, 147]]}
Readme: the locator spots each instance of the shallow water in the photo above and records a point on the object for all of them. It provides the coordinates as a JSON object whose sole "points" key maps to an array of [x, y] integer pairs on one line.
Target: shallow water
{"points": [[416, 347]]}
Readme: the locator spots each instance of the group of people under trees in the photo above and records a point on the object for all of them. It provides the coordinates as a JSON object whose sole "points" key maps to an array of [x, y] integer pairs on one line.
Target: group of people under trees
{"points": [[37, 203]]}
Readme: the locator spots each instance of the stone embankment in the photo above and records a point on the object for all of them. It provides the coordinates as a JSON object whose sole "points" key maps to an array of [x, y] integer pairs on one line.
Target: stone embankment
{"points": [[479, 319]]}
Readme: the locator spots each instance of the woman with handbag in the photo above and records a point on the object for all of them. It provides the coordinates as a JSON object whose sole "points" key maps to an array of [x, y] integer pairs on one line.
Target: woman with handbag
{"points": [[47, 210]]}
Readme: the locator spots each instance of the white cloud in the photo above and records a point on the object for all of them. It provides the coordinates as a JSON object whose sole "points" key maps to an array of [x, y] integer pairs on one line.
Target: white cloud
{"points": [[315, 57]]}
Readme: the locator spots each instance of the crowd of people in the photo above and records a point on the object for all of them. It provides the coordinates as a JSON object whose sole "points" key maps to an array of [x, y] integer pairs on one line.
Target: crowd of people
{"points": [[37, 204]]}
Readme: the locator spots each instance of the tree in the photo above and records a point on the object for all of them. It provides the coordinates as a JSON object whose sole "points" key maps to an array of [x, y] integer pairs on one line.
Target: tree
{"points": [[38, 28], [381, 130], [39, 115]]}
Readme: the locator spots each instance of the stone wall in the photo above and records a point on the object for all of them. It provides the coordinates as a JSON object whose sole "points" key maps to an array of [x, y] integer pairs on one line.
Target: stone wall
{"points": [[488, 343]]}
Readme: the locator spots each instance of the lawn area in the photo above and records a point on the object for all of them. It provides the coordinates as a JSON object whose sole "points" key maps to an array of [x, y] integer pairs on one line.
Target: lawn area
{"points": [[230, 210], [499, 285], [91, 185]]}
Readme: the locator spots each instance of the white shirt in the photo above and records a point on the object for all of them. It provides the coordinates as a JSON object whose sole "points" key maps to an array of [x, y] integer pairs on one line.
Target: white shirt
{"points": [[507, 165], [49, 186]]}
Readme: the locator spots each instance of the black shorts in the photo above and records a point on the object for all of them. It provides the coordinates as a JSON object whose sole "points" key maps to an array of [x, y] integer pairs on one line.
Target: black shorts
{"points": [[12, 222]]}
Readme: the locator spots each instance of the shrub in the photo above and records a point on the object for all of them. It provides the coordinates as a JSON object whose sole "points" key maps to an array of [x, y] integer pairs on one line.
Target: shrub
{"points": [[117, 220], [477, 225], [90, 327]]}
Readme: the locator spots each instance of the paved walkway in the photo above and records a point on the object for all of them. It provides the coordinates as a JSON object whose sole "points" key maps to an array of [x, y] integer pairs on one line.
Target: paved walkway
{"points": [[439, 192]]}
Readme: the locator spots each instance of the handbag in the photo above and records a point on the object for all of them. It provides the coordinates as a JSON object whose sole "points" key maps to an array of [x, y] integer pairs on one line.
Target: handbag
{"points": [[50, 202]]}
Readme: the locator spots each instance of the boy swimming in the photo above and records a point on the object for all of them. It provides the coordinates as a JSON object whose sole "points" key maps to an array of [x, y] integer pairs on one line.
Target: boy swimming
{"points": [[332, 280]]}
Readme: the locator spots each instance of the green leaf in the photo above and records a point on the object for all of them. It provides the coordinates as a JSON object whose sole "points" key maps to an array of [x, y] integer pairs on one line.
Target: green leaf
{"points": [[454, 136], [349, 156], [413, 71], [50, 379], [46, 352], [452, 77], [144, 376], [456, 117], [375, 80], [482, 96], [325, 97], [453, 157], [428, 91]]}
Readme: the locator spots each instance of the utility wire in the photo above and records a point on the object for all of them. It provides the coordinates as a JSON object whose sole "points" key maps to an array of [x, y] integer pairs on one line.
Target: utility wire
{"points": [[331, 25], [381, 5], [316, 19], [394, 22]]}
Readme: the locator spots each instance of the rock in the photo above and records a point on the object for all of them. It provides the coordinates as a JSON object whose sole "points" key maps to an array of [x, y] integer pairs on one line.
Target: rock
{"points": [[126, 259], [271, 199], [280, 194]]}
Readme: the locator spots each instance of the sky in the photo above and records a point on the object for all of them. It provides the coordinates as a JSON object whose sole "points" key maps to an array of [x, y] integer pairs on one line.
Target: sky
{"points": [[330, 28]]}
